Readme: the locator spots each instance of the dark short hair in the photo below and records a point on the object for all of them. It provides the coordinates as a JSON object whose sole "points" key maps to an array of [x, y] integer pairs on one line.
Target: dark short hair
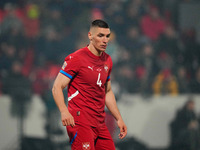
{"points": [[99, 23]]}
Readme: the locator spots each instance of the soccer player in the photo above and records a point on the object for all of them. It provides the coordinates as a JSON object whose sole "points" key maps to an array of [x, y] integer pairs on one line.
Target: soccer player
{"points": [[86, 72]]}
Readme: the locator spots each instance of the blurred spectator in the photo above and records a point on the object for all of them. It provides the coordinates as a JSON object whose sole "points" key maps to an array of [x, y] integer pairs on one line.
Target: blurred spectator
{"points": [[19, 88], [123, 72], [52, 126], [165, 83], [171, 8], [146, 69], [195, 82], [185, 133], [15, 39], [49, 47], [191, 48], [135, 9], [152, 24], [169, 42], [14, 36], [12, 19], [114, 11], [31, 20], [126, 79], [132, 40], [164, 60], [54, 19], [8, 53], [40, 80], [43, 78], [182, 80]]}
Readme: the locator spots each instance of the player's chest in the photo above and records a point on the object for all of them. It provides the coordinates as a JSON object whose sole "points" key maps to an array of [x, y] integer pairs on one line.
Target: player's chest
{"points": [[95, 74]]}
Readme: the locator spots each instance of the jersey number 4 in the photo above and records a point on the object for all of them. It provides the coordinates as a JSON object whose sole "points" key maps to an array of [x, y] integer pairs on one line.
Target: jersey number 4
{"points": [[99, 83]]}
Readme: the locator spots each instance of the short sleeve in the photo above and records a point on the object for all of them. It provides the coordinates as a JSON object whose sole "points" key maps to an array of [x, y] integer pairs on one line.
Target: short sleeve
{"points": [[70, 66], [110, 68]]}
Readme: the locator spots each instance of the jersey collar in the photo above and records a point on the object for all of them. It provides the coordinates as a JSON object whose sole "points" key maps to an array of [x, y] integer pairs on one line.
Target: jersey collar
{"points": [[92, 55]]}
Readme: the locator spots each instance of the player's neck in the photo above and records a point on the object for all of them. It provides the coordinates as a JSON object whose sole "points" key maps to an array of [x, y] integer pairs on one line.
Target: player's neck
{"points": [[94, 50]]}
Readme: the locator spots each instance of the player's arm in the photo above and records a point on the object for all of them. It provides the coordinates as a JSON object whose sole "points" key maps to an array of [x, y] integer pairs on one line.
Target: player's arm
{"points": [[112, 106], [60, 83]]}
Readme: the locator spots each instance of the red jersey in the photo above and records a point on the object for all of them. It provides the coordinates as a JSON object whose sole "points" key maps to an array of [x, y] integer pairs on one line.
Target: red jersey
{"points": [[86, 90]]}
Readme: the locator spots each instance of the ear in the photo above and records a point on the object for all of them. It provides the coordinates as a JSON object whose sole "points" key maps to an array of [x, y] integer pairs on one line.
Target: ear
{"points": [[90, 36]]}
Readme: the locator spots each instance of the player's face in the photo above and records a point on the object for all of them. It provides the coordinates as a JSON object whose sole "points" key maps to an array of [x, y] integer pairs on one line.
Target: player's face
{"points": [[99, 38]]}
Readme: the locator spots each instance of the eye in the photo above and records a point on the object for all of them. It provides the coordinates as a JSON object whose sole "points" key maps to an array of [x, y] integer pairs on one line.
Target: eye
{"points": [[108, 36], [100, 35]]}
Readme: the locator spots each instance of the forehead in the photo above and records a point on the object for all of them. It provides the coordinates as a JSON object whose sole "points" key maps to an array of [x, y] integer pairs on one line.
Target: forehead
{"points": [[97, 30]]}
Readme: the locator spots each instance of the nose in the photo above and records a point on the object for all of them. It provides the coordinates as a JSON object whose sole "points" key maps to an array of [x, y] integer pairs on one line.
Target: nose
{"points": [[105, 40]]}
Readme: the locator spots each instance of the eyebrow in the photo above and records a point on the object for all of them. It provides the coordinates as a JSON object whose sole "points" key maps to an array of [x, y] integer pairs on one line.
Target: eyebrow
{"points": [[107, 35]]}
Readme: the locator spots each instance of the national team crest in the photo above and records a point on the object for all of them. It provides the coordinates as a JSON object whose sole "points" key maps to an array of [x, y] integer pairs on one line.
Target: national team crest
{"points": [[86, 145], [64, 65], [106, 68], [99, 69]]}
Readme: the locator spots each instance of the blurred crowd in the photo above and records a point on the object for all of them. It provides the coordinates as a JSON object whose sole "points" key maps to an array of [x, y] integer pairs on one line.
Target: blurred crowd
{"points": [[151, 54]]}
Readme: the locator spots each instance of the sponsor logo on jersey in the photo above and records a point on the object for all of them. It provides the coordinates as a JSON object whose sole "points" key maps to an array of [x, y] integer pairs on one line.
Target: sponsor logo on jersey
{"points": [[64, 65], [90, 67], [86, 146]]}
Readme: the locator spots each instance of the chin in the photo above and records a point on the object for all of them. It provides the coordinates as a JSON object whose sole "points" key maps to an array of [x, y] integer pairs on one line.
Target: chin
{"points": [[102, 49]]}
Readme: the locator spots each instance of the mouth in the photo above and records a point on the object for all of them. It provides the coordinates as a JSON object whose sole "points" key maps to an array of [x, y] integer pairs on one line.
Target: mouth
{"points": [[103, 46]]}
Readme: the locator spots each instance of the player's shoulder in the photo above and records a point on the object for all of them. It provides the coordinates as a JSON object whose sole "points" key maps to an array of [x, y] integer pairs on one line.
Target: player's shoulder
{"points": [[77, 54], [80, 52]]}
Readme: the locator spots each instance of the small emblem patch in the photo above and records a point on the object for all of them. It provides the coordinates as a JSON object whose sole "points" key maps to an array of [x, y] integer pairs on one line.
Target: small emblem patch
{"points": [[106, 68], [64, 65], [86, 146]]}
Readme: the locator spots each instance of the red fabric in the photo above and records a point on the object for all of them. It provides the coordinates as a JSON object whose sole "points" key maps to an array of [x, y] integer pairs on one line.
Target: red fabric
{"points": [[152, 28], [84, 137], [89, 73]]}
